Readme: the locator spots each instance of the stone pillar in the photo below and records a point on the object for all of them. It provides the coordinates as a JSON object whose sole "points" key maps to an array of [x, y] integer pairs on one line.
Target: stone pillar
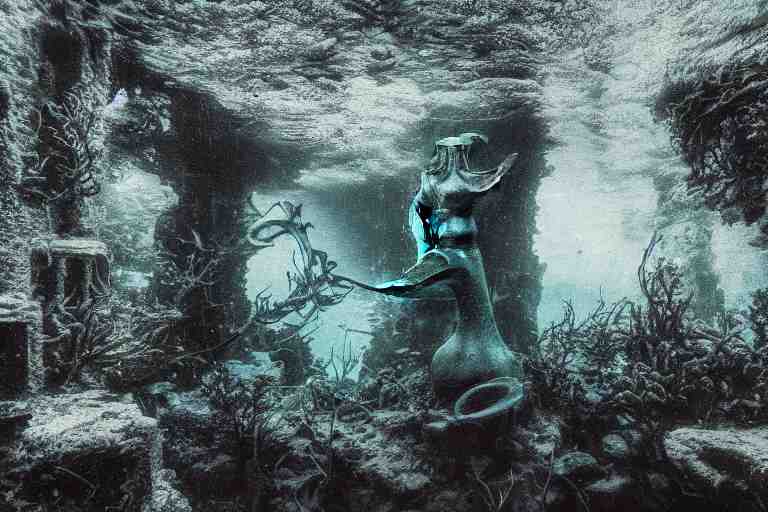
{"points": [[65, 274], [87, 281], [58, 277], [19, 323]]}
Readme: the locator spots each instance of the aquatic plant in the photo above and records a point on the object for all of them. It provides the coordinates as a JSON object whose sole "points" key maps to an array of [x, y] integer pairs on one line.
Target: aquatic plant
{"points": [[758, 316], [66, 169], [246, 406], [495, 500], [657, 364], [313, 286], [87, 340], [717, 123]]}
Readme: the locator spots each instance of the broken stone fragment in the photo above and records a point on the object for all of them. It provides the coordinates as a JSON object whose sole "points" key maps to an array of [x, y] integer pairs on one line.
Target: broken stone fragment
{"points": [[381, 53], [91, 450], [578, 467], [615, 492], [321, 50], [709, 458], [68, 272], [77, 247], [380, 66], [616, 448]]}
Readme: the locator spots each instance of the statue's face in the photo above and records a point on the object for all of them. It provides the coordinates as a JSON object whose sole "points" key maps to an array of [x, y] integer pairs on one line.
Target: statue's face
{"points": [[448, 160]]}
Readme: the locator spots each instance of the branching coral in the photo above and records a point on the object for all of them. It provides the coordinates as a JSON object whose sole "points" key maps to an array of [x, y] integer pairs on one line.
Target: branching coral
{"points": [[718, 124], [244, 405], [495, 500], [656, 365], [665, 297], [592, 346]]}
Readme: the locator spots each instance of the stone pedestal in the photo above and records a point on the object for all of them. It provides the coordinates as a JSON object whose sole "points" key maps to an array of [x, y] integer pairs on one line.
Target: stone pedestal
{"points": [[66, 274], [69, 272]]}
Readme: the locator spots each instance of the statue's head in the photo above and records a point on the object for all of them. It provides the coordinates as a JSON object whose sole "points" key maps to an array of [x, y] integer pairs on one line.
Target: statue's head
{"points": [[467, 152], [461, 171]]}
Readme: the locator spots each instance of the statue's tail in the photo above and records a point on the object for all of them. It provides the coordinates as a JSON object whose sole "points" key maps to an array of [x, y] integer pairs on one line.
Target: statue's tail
{"points": [[423, 280], [478, 407]]}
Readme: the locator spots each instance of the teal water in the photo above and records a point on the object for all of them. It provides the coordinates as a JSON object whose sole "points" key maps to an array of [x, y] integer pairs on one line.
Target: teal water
{"points": [[268, 268], [598, 209]]}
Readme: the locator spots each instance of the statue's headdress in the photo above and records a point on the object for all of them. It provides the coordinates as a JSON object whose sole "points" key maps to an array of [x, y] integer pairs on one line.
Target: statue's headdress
{"points": [[463, 166]]}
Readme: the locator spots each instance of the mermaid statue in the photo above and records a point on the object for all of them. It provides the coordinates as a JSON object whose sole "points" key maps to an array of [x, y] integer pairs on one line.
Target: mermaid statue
{"points": [[474, 364]]}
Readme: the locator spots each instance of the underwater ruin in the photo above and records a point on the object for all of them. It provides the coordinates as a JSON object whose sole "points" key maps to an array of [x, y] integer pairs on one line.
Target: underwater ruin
{"points": [[383, 255]]}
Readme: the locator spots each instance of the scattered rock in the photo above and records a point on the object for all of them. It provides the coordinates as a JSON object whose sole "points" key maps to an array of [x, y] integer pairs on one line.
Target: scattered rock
{"points": [[541, 434], [380, 66], [615, 492], [383, 457], [578, 467], [616, 448], [351, 35], [256, 368], [381, 53], [88, 449], [321, 50], [709, 458], [659, 483], [701, 346]]}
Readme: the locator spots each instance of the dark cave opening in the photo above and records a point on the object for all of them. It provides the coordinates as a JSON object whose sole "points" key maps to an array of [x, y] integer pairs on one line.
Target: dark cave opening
{"points": [[14, 357]]}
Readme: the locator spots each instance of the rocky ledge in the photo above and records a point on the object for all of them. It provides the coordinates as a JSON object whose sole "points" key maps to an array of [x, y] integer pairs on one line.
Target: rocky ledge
{"points": [[727, 465], [84, 451]]}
